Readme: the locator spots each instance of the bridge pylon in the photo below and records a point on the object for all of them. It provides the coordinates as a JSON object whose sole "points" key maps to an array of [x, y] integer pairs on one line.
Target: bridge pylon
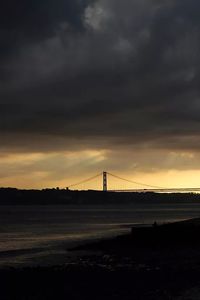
{"points": [[105, 188]]}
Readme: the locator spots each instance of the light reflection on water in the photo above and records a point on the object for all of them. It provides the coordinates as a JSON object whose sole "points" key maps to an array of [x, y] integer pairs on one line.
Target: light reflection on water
{"points": [[41, 234]]}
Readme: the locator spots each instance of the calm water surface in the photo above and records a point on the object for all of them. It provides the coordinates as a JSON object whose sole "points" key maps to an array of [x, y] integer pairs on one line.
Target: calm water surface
{"points": [[41, 235]]}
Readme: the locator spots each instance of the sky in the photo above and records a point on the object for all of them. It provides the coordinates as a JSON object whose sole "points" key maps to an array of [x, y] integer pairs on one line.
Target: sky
{"points": [[94, 85]]}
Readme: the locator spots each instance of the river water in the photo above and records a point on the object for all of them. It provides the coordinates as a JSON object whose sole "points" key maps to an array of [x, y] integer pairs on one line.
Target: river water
{"points": [[41, 235]]}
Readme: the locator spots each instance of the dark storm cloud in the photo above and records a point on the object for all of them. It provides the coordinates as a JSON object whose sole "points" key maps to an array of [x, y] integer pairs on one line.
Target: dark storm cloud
{"points": [[23, 21], [125, 72]]}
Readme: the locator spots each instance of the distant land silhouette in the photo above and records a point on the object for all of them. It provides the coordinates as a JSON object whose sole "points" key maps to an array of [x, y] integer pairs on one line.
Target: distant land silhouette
{"points": [[13, 196]]}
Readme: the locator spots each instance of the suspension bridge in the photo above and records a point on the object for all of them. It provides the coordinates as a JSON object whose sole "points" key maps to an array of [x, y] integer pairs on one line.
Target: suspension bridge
{"points": [[133, 186]]}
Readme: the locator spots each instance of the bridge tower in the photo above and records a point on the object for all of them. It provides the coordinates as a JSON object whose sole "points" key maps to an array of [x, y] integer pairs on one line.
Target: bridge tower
{"points": [[105, 181]]}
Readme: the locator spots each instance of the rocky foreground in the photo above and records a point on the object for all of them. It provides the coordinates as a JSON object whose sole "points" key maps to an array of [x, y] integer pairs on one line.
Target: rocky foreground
{"points": [[158, 262]]}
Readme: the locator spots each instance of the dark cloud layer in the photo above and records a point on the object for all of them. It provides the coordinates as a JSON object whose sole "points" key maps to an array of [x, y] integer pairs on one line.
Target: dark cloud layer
{"points": [[105, 72], [32, 21]]}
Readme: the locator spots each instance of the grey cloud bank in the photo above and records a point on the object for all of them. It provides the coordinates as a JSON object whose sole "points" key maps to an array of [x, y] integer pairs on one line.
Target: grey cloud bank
{"points": [[101, 74]]}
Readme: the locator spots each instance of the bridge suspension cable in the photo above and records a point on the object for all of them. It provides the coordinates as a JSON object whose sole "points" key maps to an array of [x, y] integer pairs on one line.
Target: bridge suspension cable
{"points": [[135, 182], [85, 180]]}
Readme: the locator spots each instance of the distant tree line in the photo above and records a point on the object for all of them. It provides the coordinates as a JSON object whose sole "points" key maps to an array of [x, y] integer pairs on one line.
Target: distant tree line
{"points": [[13, 196]]}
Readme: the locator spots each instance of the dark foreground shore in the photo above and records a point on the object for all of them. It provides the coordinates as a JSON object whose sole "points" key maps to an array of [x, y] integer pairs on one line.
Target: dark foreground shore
{"points": [[158, 262]]}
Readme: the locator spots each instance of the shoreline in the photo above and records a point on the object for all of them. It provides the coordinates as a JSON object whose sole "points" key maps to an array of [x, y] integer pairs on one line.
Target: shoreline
{"points": [[156, 263]]}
